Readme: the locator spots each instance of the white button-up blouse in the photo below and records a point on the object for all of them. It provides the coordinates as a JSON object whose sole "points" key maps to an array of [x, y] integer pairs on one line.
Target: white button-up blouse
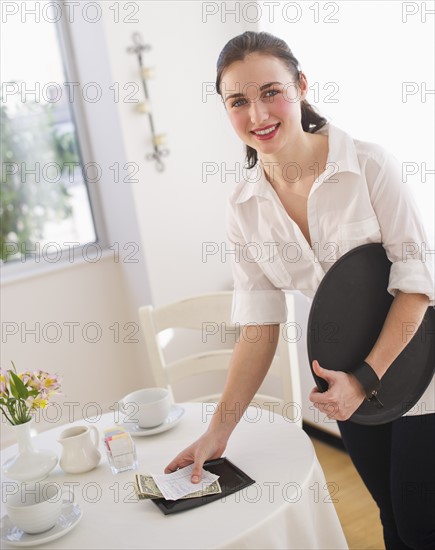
{"points": [[360, 198]]}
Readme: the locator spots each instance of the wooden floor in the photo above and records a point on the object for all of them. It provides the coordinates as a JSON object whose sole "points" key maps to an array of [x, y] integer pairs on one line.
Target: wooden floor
{"points": [[357, 511]]}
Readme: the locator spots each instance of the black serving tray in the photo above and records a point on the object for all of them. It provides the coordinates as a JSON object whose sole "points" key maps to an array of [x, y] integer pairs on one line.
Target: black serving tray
{"points": [[231, 480], [346, 317]]}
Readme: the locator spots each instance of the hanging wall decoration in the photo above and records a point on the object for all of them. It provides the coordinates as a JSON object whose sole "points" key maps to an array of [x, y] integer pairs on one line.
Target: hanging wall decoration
{"points": [[144, 107]]}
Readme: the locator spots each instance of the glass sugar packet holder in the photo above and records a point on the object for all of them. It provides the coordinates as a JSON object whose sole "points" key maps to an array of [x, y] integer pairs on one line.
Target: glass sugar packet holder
{"points": [[120, 450]]}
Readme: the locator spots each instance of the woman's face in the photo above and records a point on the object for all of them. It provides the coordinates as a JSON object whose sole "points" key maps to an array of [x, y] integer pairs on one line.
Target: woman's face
{"points": [[254, 104]]}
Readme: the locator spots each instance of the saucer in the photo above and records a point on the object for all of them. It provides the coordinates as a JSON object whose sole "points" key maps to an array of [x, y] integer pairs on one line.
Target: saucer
{"points": [[174, 416], [68, 519]]}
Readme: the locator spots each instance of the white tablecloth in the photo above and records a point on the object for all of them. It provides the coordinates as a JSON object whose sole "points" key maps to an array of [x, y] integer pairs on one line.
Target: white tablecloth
{"points": [[288, 507]]}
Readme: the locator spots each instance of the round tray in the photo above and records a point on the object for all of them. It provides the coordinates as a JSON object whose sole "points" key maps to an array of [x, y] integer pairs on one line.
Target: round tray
{"points": [[345, 320]]}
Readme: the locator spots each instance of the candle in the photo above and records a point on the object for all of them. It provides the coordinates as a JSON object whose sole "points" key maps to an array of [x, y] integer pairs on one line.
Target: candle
{"points": [[159, 139], [148, 72], [143, 107]]}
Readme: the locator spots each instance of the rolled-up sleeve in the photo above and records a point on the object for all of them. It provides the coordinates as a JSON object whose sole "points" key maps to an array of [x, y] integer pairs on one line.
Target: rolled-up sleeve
{"points": [[404, 236], [255, 299]]}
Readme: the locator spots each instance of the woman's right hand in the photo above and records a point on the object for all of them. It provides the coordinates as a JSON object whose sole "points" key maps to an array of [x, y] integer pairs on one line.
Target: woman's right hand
{"points": [[207, 447], [249, 364]]}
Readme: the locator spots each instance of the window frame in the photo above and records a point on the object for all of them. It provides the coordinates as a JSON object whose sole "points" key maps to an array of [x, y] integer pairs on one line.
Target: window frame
{"points": [[28, 266]]}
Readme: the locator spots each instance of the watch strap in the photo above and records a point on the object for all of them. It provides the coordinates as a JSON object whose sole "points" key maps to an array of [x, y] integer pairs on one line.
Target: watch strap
{"points": [[369, 380]]}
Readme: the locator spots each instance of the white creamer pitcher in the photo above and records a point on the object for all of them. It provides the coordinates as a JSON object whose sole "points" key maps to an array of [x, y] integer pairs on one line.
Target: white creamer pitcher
{"points": [[80, 449]]}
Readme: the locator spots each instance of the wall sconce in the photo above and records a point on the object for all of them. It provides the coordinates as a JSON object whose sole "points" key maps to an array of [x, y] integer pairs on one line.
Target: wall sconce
{"points": [[144, 107]]}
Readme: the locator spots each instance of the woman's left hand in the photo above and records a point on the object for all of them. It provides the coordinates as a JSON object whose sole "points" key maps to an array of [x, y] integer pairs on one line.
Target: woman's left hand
{"points": [[343, 397]]}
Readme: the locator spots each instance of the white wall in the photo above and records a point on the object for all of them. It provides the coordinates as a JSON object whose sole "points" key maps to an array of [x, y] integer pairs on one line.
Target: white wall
{"points": [[177, 210]]}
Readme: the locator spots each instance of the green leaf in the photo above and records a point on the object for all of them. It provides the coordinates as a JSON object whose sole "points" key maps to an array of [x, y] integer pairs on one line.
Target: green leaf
{"points": [[21, 389], [13, 389]]}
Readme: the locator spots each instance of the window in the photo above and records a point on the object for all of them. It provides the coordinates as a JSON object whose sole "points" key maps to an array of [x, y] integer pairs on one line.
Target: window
{"points": [[45, 202]]}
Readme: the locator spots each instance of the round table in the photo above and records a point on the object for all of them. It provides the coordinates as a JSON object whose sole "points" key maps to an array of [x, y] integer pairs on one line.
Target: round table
{"points": [[289, 506]]}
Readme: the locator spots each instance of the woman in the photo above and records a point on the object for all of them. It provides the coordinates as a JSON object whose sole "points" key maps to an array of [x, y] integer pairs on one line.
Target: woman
{"points": [[316, 194]]}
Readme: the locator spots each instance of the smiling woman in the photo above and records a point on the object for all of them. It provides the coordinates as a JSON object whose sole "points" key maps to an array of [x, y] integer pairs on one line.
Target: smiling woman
{"points": [[317, 186], [273, 117], [243, 64]]}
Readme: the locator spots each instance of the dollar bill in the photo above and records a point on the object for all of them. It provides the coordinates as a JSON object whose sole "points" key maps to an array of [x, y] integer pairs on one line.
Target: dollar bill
{"points": [[146, 488]]}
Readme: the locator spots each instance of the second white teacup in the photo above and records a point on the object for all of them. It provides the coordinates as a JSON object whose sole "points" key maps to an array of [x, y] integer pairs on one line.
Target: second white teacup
{"points": [[35, 508], [148, 407]]}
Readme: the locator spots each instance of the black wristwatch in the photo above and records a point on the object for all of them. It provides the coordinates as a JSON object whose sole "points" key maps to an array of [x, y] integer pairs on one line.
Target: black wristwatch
{"points": [[369, 380]]}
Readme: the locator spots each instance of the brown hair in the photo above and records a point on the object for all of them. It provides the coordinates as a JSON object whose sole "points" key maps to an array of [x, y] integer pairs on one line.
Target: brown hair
{"points": [[265, 43]]}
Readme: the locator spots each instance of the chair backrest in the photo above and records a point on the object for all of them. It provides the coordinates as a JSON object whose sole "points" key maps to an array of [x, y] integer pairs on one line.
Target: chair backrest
{"points": [[211, 312]]}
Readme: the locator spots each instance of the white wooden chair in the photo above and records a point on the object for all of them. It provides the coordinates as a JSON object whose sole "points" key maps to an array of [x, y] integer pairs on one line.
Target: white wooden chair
{"points": [[192, 313]]}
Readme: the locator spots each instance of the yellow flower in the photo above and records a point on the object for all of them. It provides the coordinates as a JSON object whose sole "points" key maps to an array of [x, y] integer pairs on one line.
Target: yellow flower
{"points": [[39, 403], [4, 385]]}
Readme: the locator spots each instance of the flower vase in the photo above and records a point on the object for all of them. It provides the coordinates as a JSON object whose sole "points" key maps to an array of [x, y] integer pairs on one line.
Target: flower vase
{"points": [[30, 464]]}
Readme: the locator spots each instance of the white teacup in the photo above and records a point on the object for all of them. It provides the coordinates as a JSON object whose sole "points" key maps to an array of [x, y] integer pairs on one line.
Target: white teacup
{"points": [[148, 407], [35, 508]]}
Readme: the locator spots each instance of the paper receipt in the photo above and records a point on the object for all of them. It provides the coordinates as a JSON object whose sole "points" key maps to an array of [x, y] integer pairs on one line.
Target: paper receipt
{"points": [[177, 484]]}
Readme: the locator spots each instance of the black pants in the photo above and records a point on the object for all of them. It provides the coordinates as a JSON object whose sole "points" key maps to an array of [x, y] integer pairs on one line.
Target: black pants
{"points": [[396, 461]]}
